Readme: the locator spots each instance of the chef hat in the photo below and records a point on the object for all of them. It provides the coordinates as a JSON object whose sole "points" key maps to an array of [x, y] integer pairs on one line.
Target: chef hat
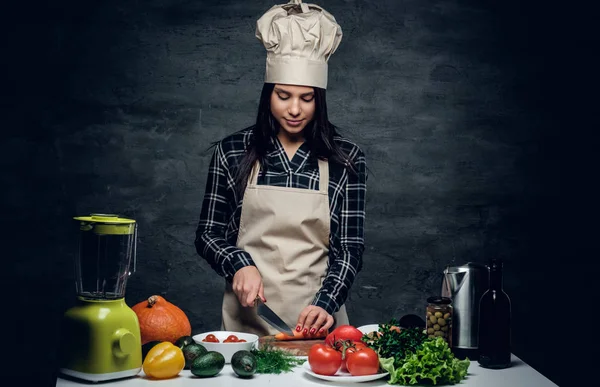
{"points": [[299, 39]]}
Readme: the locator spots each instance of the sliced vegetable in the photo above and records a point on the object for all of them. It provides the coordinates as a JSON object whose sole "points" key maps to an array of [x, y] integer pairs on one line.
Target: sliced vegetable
{"points": [[299, 336]]}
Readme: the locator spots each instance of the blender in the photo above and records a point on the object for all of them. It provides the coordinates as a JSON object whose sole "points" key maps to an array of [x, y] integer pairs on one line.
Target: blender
{"points": [[101, 334]]}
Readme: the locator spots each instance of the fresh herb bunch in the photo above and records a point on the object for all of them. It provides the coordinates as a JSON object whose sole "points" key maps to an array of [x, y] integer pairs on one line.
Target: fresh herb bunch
{"points": [[274, 361], [397, 343]]}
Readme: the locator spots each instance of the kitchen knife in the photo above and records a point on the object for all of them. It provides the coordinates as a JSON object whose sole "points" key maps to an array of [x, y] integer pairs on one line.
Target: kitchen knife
{"points": [[272, 318]]}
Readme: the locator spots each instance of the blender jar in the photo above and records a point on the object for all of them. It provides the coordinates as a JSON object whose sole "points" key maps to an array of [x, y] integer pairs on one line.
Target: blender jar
{"points": [[107, 246]]}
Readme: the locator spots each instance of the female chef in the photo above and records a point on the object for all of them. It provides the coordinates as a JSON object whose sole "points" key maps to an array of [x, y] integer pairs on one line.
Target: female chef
{"points": [[283, 214]]}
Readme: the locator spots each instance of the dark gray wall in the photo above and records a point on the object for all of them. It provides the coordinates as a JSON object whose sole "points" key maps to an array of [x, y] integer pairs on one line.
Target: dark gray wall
{"points": [[114, 105]]}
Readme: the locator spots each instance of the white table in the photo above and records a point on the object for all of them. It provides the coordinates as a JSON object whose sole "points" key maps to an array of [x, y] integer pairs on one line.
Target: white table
{"points": [[520, 374]]}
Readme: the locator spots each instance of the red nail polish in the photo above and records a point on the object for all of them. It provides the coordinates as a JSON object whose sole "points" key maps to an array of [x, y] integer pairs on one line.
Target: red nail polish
{"points": [[321, 330], [305, 331], [298, 328], [312, 331]]}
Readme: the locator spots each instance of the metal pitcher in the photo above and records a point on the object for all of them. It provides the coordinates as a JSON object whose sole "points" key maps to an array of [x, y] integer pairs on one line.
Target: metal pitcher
{"points": [[465, 285]]}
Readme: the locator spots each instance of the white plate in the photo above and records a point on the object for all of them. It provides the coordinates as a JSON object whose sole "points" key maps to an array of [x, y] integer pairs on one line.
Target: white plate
{"points": [[343, 376], [368, 328]]}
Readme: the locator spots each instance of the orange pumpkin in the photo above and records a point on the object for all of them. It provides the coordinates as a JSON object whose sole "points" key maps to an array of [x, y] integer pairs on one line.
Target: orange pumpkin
{"points": [[161, 320]]}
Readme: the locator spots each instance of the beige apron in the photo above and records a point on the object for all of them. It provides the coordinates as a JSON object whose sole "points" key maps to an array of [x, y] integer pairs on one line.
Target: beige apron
{"points": [[286, 232]]}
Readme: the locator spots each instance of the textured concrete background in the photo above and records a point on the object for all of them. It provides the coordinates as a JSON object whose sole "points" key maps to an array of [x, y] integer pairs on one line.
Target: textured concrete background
{"points": [[114, 104]]}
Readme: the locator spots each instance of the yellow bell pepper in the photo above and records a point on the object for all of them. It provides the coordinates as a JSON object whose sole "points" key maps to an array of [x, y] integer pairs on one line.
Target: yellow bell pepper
{"points": [[164, 361]]}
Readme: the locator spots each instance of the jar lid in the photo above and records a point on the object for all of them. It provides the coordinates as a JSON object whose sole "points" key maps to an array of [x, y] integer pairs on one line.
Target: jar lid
{"points": [[439, 300]]}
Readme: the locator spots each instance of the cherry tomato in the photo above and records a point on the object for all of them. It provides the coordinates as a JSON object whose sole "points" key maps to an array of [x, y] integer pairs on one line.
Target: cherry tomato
{"points": [[211, 339], [324, 360], [231, 339], [343, 332], [241, 341], [364, 361]]}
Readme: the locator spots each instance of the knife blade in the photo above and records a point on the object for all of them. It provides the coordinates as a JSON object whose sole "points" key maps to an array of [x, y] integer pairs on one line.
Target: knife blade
{"points": [[272, 318]]}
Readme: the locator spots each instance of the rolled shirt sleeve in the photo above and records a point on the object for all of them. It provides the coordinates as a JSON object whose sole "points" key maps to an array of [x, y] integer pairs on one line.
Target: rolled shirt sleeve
{"points": [[218, 207]]}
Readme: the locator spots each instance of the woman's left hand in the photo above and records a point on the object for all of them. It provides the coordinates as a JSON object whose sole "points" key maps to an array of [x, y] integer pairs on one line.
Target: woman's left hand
{"points": [[314, 319]]}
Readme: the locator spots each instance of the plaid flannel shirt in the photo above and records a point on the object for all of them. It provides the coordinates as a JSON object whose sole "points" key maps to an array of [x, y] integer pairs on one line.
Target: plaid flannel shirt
{"points": [[217, 230]]}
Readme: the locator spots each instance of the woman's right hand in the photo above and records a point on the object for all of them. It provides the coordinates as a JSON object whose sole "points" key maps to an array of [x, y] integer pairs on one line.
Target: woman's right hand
{"points": [[247, 286]]}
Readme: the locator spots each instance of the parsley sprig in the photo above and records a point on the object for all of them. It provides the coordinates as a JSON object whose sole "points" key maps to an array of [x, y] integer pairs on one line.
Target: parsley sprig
{"points": [[396, 343]]}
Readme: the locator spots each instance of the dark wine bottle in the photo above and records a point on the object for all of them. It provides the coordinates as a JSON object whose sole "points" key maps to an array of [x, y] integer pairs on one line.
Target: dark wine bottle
{"points": [[494, 322]]}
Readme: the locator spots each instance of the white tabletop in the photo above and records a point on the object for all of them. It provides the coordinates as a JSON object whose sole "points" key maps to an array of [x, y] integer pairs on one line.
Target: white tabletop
{"points": [[520, 374]]}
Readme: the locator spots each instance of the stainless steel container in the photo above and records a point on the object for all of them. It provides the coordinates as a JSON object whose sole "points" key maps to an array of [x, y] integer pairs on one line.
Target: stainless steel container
{"points": [[465, 285]]}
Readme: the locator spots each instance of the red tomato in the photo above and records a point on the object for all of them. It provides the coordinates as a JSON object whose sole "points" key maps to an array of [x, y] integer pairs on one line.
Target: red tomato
{"points": [[211, 339], [357, 345], [363, 361], [231, 339], [343, 332], [353, 346], [324, 360]]}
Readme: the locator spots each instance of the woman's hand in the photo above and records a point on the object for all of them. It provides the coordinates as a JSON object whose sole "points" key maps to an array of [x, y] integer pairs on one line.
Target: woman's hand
{"points": [[247, 285], [314, 319]]}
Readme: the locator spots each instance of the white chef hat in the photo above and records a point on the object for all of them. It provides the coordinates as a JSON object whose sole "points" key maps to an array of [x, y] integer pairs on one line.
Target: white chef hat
{"points": [[299, 39]]}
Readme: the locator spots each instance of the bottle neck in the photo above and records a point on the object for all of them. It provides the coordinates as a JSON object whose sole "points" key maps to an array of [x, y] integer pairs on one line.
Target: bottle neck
{"points": [[496, 277]]}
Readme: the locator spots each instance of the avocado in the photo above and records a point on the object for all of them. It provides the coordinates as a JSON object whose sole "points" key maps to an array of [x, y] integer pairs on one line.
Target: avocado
{"points": [[209, 364], [243, 363], [192, 351], [147, 347], [183, 341]]}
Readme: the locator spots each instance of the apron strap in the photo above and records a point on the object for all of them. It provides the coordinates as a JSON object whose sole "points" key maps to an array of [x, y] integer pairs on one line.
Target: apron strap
{"points": [[254, 174], [323, 176], [301, 4]]}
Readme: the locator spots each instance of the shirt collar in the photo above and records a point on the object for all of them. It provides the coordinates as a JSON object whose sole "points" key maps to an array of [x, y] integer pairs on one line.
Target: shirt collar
{"points": [[297, 162]]}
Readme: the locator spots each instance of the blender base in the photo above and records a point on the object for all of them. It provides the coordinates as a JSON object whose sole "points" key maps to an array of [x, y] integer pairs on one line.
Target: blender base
{"points": [[100, 377]]}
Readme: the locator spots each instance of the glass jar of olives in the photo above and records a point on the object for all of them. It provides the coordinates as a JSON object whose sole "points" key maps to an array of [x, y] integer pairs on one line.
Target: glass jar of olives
{"points": [[439, 318]]}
